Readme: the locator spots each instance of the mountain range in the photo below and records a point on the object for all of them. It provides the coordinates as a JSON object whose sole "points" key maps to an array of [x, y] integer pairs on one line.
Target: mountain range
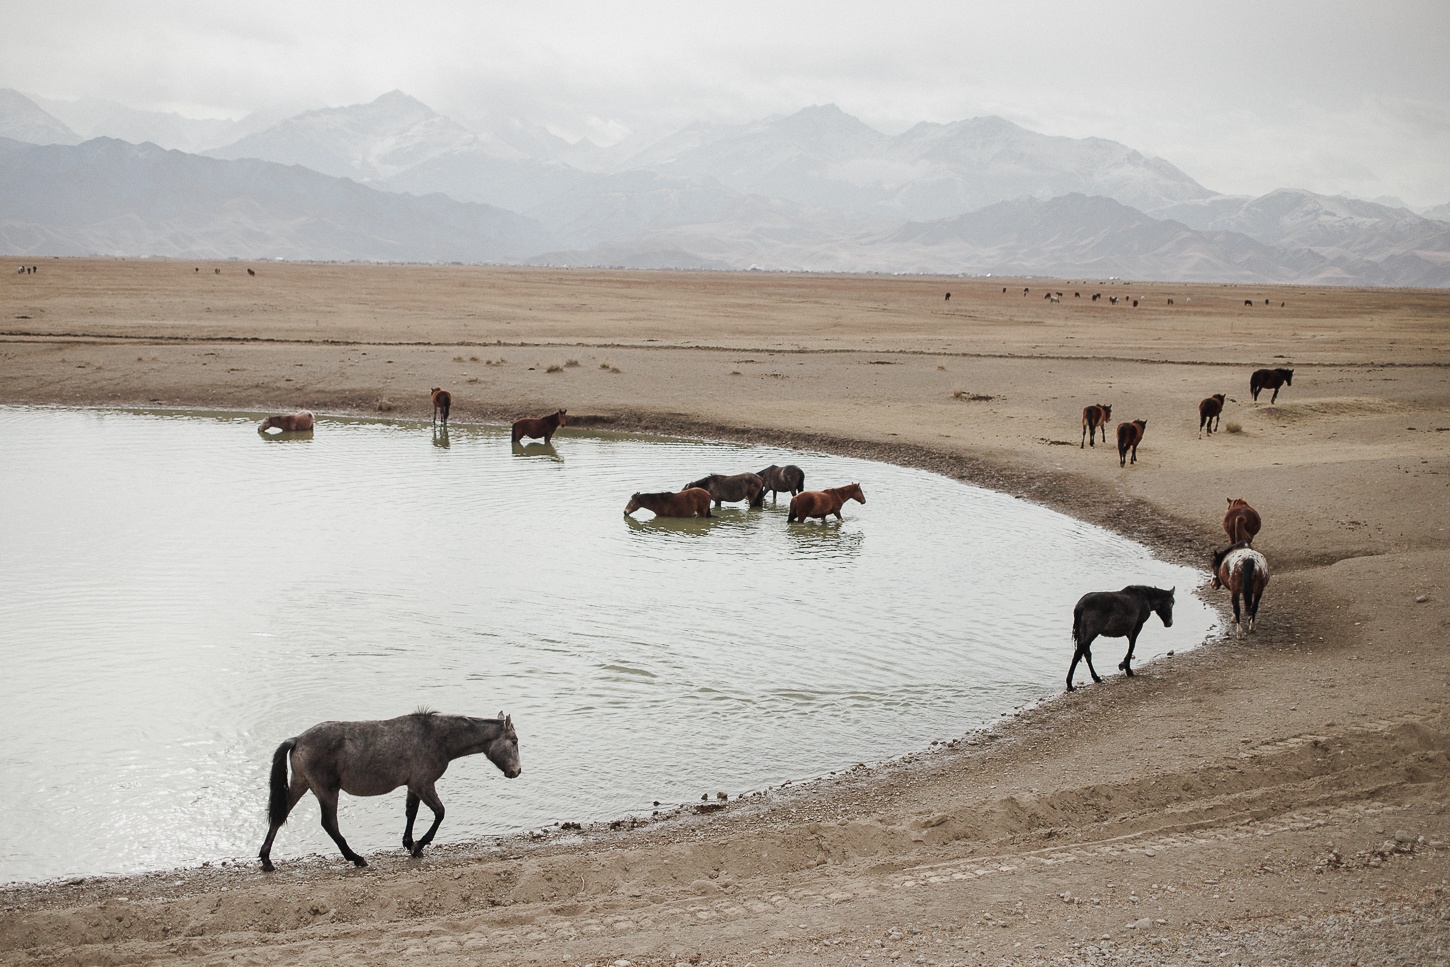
{"points": [[817, 190]]}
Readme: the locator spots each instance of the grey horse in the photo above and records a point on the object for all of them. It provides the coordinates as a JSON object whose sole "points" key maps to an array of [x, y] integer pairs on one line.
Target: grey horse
{"points": [[789, 477], [1115, 614], [741, 486], [376, 757]]}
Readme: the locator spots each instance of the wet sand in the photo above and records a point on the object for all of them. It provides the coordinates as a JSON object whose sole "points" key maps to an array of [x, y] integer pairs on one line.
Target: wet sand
{"points": [[1243, 800]]}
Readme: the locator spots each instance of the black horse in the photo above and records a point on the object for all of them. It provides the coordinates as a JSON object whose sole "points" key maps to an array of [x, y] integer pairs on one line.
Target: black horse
{"points": [[1270, 379], [789, 477], [1115, 614]]}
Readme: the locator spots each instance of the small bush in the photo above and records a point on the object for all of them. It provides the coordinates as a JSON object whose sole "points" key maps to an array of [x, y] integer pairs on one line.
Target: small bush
{"points": [[458, 359], [735, 372], [554, 368], [1234, 428], [386, 406], [570, 364]]}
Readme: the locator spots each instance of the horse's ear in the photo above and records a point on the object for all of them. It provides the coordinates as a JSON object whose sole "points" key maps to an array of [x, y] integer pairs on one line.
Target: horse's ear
{"points": [[1171, 590], [508, 723]]}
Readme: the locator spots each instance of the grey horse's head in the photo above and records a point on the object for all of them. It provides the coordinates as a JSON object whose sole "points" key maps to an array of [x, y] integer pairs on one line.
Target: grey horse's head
{"points": [[504, 750]]}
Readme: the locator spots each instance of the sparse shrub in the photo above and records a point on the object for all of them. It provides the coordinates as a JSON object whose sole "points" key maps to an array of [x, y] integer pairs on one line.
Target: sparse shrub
{"points": [[458, 359], [735, 372], [1234, 427], [614, 369], [554, 368], [570, 364], [473, 359], [386, 406], [604, 365], [962, 394], [941, 369]]}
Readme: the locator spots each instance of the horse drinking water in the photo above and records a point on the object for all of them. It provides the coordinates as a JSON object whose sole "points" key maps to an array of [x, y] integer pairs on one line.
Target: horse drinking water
{"points": [[376, 757], [742, 486], [1115, 614], [822, 503], [543, 426], [1245, 572], [1095, 417], [1241, 523], [1210, 413], [299, 422], [693, 502], [1270, 379], [1129, 436], [775, 479]]}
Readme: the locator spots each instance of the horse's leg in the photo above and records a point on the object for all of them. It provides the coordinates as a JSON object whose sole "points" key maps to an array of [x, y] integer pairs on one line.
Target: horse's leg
{"points": [[1087, 653], [1275, 398], [1082, 442], [1238, 628], [429, 795], [294, 793], [327, 799], [1126, 664], [1076, 657], [411, 812]]}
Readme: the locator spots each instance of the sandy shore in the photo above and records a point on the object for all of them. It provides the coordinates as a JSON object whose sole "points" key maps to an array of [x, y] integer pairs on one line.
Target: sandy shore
{"points": [[1277, 799]]}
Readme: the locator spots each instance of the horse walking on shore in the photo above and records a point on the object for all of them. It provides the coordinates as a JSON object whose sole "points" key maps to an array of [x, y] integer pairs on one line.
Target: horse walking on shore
{"points": [[1115, 614], [1094, 417], [375, 757], [1129, 436], [692, 502], [775, 479], [1241, 522], [299, 422], [741, 486], [1270, 379], [442, 403], [1245, 572], [1210, 413], [823, 503], [543, 426]]}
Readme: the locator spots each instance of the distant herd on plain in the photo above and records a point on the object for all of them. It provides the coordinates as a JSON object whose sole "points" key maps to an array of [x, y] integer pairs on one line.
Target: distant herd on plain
{"points": [[371, 758]]}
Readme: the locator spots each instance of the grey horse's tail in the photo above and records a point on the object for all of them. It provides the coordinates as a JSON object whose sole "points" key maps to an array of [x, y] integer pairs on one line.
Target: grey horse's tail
{"points": [[277, 802]]}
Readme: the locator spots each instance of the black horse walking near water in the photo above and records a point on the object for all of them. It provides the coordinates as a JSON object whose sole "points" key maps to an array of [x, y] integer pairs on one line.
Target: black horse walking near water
{"points": [[372, 758], [1115, 614]]}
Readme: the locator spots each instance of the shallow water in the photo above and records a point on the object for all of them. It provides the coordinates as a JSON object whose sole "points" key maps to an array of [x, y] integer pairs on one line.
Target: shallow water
{"points": [[181, 594]]}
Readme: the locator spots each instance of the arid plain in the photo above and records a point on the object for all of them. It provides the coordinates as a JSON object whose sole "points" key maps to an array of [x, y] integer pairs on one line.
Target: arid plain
{"points": [[1281, 798]]}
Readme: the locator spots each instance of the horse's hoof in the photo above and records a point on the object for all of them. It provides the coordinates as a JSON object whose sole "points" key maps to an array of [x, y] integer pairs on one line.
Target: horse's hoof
{"points": [[359, 861], [267, 866]]}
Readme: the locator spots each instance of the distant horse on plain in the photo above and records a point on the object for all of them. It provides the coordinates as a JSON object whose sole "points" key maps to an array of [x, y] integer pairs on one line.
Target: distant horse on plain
{"points": [[1241, 522], [299, 422], [823, 503], [1245, 572], [1115, 614], [740, 486], [693, 502], [442, 403], [1129, 436], [375, 757], [1095, 417], [1210, 413], [543, 426], [1270, 379], [775, 479]]}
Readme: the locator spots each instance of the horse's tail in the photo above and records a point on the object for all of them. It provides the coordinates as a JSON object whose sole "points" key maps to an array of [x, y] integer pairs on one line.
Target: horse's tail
{"points": [[1076, 629], [277, 808], [1246, 578]]}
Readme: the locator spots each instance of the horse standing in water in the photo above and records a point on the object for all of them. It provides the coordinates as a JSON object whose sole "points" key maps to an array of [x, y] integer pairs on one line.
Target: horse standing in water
{"points": [[1115, 614], [693, 502], [299, 422], [823, 503], [543, 426], [1270, 379], [376, 757], [1210, 414], [1095, 417], [1241, 523], [1129, 436], [442, 403], [1245, 572], [742, 486], [775, 479]]}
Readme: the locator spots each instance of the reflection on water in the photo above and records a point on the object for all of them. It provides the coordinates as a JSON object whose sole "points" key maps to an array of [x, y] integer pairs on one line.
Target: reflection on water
{"points": [[178, 601], [537, 450], [285, 436], [440, 436]]}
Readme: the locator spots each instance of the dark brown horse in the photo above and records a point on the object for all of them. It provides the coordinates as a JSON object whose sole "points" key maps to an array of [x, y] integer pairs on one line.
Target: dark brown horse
{"points": [[299, 422], [1241, 523], [823, 503], [1115, 614], [1129, 436], [442, 403], [1210, 413], [1270, 379], [741, 486], [775, 479], [694, 502], [543, 426], [1094, 417], [1245, 573]]}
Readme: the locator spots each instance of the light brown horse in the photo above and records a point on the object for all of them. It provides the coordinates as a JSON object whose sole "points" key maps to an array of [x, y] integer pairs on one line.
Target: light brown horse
{"points": [[442, 403], [1241, 523], [1129, 436], [823, 503], [299, 422], [1094, 416], [1210, 413], [1245, 573], [694, 502], [543, 426]]}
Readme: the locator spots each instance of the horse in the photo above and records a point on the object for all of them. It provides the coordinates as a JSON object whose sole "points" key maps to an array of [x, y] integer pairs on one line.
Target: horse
{"points": [[251, 271], [693, 502], [1094, 416], [543, 426], [1210, 413], [299, 422], [1270, 379], [775, 479], [1241, 523], [1245, 572], [822, 503], [1129, 436], [375, 757], [442, 403], [1115, 614], [741, 486]]}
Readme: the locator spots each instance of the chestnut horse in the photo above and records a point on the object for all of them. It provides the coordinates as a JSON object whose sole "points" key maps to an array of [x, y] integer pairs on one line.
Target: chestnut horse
{"points": [[694, 502], [822, 503], [1129, 436], [442, 403], [742, 486], [1245, 572], [1241, 523], [543, 426], [775, 479], [1094, 417], [1210, 413], [299, 422], [1270, 379], [1115, 614]]}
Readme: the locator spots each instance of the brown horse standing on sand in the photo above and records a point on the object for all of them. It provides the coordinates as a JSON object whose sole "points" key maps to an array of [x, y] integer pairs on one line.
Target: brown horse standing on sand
{"points": [[742, 486], [442, 403], [1129, 436], [1242, 522], [1094, 417], [775, 479], [543, 426], [299, 422], [1210, 413], [694, 502], [822, 503], [1270, 379], [1245, 572]]}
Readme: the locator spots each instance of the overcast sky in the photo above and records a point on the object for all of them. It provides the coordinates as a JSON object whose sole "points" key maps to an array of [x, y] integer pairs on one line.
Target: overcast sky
{"points": [[1244, 95]]}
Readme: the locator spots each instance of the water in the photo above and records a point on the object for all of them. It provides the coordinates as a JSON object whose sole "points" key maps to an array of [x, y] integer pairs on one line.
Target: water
{"points": [[178, 595]]}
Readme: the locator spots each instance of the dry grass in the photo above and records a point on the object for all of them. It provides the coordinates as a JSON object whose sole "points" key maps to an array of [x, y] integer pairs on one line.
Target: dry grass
{"points": [[1234, 427], [571, 363], [386, 405], [962, 394], [554, 368]]}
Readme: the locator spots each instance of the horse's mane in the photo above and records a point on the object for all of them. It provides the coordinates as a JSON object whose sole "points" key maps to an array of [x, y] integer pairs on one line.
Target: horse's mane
{"points": [[1145, 588], [661, 493]]}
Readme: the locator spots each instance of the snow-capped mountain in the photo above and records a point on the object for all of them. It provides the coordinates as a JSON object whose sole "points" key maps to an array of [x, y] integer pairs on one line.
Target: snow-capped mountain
{"points": [[93, 117], [24, 120]]}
